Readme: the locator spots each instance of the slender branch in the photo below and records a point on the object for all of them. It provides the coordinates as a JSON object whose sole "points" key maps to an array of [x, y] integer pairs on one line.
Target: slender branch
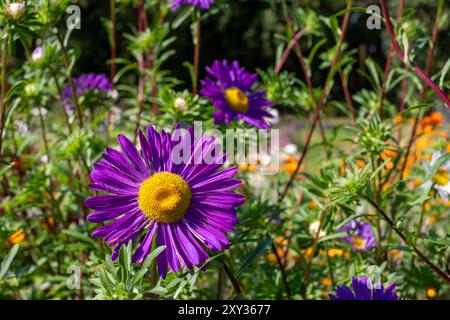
{"points": [[288, 49], [347, 95], [422, 94], [283, 272], [4, 83], [61, 99], [422, 257], [403, 57], [70, 80], [234, 281], [306, 72], [321, 102], [391, 53], [141, 66], [197, 51], [315, 241], [112, 74]]}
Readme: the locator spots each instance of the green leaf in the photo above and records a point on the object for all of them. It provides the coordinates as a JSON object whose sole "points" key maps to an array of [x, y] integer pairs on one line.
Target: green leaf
{"points": [[254, 255], [435, 167], [444, 72], [5, 169], [8, 260]]}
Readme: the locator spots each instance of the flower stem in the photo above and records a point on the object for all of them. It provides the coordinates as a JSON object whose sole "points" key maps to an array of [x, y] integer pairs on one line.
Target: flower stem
{"points": [[234, 281], [198, 23], [283, 273], [70, 80], [320, 103], [306, 71], [423, 75], [422, 257], [4, 83], [422, 94]]}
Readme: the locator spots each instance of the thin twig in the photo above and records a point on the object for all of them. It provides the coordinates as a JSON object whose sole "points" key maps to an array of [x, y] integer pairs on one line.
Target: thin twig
{"points": [[321, 102], [234, 281], [422, 257], [198, 24], [4, 83], [423, 75], [283, 272], [70, 80]]}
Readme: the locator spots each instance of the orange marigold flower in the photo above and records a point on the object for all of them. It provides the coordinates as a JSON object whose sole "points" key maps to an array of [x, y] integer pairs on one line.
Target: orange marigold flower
{"points": [[326, 282], [335, 252], [432, 219], [17, 237], [431, 293], [436, 118]]}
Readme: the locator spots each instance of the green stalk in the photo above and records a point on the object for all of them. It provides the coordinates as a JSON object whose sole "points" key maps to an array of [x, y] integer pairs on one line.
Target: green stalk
{"points": [[4, 81]]}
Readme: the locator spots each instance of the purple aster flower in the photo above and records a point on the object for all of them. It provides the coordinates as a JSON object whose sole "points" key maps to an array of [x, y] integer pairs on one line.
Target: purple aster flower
{"points": [[202, 4], [360, 235], [363, 290], [187, 205], [230, 88], [91, 81]]}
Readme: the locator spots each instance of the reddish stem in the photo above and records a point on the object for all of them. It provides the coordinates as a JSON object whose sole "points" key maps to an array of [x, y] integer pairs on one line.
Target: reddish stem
{"points": [[288, 49], [321, 102], [423, 75]]}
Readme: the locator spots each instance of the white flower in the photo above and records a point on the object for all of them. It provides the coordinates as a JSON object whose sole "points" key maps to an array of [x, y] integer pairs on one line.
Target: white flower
{"points": [[180, 104], [113, 95], [37, 54], [35, 112], [44, 159], [290, 149], [21, 126], [441, 179], [314, 227]]}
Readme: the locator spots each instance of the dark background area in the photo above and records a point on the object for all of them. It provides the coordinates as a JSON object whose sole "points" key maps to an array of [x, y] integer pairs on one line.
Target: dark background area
{"points": [[245, 31]]}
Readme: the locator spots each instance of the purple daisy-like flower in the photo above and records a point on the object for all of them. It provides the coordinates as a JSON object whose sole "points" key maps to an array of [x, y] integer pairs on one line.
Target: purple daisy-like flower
{"points": [[360, 235], [202, 4], [187, 205], [230, 88], [91, 81], [363, 290]]}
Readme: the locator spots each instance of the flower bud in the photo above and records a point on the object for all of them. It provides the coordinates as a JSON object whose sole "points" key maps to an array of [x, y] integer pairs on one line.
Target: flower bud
{"points": [[31, 90], [180, 104], [15, 10]]}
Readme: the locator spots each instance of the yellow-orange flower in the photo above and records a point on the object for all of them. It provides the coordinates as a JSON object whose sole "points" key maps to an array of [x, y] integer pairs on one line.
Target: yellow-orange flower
{"points": [[335, 252], [326, 282], [436, 118], [17, 237], [431, 293]]}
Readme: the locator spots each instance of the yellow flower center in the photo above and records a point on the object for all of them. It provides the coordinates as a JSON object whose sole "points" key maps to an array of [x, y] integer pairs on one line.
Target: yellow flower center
{"points": [[359, 242], [237, 100], [164, 197], [442, 177]]}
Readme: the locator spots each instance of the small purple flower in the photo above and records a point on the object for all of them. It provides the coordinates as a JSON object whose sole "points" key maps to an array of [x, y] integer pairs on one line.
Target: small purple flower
{"points": [[360, 235], [202, 4], [362, 291], [91, 81], [187, 206], [230, 88]]}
